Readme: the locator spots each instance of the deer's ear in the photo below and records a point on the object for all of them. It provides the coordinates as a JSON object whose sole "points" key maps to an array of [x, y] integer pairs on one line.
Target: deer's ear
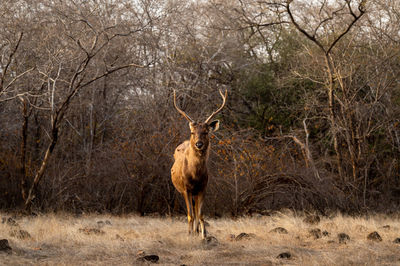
{"points": [[214, 125]]}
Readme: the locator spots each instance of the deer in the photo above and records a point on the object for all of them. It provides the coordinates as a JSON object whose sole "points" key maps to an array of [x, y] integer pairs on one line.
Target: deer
{"points": [[189, 172]]}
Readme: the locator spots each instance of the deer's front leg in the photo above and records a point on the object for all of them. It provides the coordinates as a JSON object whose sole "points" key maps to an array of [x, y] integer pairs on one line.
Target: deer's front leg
{"points": [[189, 208], [198, 215]]}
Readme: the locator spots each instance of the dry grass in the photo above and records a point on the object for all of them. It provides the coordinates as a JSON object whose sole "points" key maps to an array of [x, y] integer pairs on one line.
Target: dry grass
{"points": [[58, 240]]}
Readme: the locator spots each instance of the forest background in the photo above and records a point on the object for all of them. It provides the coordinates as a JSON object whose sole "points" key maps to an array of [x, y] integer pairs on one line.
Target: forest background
{"points": [[312, 121]]}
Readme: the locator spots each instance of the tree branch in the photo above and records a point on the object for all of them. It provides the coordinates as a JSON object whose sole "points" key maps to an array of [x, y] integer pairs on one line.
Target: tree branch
{"points": [[4, 72], [356, 18], [309, 36]]}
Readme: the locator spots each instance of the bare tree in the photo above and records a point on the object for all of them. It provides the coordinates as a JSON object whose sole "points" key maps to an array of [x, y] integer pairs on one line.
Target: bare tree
{"points": [[75, 41]]}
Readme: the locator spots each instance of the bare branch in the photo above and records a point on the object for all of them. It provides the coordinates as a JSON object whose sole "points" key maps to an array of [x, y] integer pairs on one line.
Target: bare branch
{"points": [[356, 18], [17, 77], [308, 35], [10, 58]]}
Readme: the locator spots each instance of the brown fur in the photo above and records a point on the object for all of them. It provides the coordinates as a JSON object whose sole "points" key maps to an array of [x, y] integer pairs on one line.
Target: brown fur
{"points": [[189, 172]]}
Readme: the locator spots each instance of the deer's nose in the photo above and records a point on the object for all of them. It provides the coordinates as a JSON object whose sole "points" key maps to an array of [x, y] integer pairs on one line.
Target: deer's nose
{"points": [[199, 144]]}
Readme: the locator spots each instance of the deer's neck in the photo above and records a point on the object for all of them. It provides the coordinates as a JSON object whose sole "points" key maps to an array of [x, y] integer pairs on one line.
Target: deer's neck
{"points": [[196, 158]]}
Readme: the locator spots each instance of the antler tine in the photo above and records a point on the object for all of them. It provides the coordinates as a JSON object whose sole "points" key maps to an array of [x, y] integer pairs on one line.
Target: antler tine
{"points": [[180, 111], [219, 109]]}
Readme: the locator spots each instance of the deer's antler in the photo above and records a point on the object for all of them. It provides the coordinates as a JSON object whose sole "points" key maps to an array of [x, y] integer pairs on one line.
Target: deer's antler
{"points": [[180, 111], [219, 109]]}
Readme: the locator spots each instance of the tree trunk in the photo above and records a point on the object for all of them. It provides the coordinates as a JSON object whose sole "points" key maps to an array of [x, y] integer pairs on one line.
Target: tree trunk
{"points": [[24, 185], [32, 190], [332, 114]]}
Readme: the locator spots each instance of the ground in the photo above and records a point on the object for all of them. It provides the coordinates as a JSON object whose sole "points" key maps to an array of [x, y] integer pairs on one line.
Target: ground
{"points": [[62, 239]]}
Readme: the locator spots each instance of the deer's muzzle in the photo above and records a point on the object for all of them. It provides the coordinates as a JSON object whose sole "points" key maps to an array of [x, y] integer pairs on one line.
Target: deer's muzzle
{"points": [[199, 145]]}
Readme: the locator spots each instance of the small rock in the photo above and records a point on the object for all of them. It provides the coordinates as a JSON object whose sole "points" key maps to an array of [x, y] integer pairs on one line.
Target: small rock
{"points": [[9, 221], [343, 238], [312, 219], [91, 231], [21, 234], [397, 240], [149, 258], [316, 233], [103, 223], [279, 230], [12, 222], [210, 241], [325, 233], [374, 236], [284, 255], [386, 227], [246, 236], [100, 224], [4, 246]]}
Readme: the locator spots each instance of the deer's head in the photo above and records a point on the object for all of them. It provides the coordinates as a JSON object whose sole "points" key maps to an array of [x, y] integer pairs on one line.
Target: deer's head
{"points": [[199, 131]]}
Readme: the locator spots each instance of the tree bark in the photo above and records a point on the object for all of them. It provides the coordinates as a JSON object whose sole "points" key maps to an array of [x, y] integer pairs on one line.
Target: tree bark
{"points": [[24, 185], [32, 191]]}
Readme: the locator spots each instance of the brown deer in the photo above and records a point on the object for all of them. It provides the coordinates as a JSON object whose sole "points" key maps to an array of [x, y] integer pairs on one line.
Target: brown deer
{"points": [[189, 172]]}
